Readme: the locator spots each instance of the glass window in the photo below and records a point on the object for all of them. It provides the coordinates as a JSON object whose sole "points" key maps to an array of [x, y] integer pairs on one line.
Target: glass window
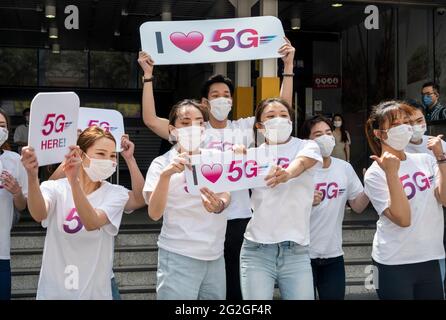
{"points": [[18, 67], [65, 69], [112, 69], [415, 51], [440, 52]]}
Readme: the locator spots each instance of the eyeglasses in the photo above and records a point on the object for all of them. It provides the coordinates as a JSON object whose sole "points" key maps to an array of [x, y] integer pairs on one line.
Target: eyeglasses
{"points": [[428, 93]]}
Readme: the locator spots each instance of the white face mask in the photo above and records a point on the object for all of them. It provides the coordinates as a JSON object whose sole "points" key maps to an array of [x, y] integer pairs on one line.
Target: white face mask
{"points": [[277, 130], [337, 124], [190, 138], [220, 107], [326, 143], [418, 132], [3, 135], [398, 137], [100, 169]]}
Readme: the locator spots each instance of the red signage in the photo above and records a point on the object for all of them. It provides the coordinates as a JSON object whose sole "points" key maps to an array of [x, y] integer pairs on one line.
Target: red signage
{"points": [[326, 82]]}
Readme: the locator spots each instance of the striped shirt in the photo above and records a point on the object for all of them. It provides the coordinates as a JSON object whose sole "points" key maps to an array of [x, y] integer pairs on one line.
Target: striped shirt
{"points": [[438, 112]]}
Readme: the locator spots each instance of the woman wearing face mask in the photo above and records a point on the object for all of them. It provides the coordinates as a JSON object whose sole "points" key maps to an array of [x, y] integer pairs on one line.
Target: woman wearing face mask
{"points": [[276, 241], [13, 191], [191, 265], [82, 214], [222, 134], [407, 191], [335, 184], [342, 146]]}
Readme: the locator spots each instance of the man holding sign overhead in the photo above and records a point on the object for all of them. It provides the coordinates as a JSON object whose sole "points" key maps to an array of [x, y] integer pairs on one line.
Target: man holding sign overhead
{"points": [[217, 96]]}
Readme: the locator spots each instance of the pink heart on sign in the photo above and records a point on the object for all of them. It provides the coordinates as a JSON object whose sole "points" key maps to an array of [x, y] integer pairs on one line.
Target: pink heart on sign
{"points": [[188, 42], [212, 173]]}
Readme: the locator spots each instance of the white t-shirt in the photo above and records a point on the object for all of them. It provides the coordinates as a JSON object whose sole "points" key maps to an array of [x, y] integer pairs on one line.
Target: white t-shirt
{"points": [[422, 147], [423, 239], [338, 183], [283, 213], [10, 162], [188, 229], [238, 132], [71, 251]]}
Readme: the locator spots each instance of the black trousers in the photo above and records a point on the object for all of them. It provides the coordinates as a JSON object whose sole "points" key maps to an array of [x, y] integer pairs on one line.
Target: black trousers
{"points": [[233, 243], [416, 281], [329, 278]]}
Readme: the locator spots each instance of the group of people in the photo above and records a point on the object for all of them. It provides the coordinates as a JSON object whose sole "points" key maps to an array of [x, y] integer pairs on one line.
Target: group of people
{"points": [[238, 245]]}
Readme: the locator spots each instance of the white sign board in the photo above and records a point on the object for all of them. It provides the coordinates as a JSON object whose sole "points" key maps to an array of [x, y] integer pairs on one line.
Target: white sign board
{"points": [[226, 171], [219, 40], [110, 120], [53, 125]]}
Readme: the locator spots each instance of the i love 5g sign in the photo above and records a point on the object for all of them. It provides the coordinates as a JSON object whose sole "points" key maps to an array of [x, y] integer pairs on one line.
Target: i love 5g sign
{"points": [[226, 171], [205, 41]]}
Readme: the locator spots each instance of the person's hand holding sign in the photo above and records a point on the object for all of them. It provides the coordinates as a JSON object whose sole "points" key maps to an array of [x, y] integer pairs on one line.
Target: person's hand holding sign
{"points": [[146, 62], [29, 161], [72, 164], [287, 52], [177, 165]]}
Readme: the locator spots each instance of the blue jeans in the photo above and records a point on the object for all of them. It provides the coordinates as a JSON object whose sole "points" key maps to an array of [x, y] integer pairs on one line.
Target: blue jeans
{"points": [[184, 278], [115, 289], [5, 279], [288, 263]]}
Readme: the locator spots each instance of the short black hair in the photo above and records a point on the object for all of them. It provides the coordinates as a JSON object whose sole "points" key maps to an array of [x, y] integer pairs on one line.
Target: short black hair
{"points": [[217, 78], [27, 110], [305, 130], [433, 85]]}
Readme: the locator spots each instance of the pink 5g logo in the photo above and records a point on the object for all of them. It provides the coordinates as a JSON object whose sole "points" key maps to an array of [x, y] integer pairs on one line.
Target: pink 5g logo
{"points": [[330, 190], [420, 181], [104, 125], [54, 123], [246, 38]]}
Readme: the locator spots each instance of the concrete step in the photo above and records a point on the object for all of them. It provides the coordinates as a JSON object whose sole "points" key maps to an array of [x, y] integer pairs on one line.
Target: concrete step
{"points": [[28, 278], [357, 249], [358, 233]]}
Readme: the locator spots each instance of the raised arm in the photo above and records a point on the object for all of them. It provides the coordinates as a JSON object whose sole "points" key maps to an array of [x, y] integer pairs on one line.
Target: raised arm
{"points": [[37, 206], [399, 208], [159, 126], [136, 199], [286, 89]]}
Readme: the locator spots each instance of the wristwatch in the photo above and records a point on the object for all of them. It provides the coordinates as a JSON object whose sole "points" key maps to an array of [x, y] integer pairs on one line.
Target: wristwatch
{"points": [[144, 80]]}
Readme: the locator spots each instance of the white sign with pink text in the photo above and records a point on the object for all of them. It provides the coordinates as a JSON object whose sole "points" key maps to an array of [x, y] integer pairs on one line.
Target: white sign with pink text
{"points": [[53, 125], [226, 171], [110, 120], [218, 40]]}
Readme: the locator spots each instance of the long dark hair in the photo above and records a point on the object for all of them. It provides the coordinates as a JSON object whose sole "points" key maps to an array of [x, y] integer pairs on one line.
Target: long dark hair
{"points": [[344, 137], [261, 107], [305, 130], [5, 146], [386, 111]]}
